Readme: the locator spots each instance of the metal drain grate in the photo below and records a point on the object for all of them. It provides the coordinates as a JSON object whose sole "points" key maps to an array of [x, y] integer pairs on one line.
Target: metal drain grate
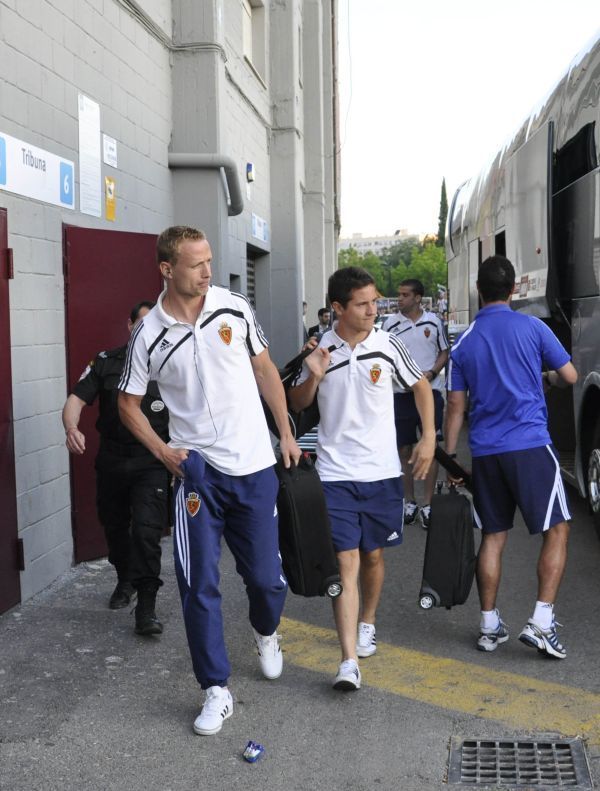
{"points": [[519, 764]]}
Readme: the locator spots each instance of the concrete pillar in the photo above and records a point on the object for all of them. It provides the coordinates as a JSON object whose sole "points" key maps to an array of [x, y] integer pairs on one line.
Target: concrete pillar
{"points": [[287, 174], [331, 160], [315, 259], [200, 196]]}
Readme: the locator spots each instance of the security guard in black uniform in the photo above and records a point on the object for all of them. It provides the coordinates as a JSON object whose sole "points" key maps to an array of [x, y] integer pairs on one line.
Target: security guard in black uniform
{"points": [[131, 485]]}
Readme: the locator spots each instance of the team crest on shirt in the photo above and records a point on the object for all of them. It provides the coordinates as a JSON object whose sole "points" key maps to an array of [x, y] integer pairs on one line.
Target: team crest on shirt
{"points": [[192, 503], [375, 373], [225, 333], [427, 332]]}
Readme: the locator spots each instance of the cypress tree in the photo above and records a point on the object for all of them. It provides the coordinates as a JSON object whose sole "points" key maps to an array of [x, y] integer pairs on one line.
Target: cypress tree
{"points": [[443, 216]]}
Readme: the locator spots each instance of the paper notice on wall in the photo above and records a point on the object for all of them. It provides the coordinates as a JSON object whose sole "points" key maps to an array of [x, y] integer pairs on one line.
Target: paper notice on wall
{"points": [[109, 146], [90, 169], [110, 198], [260, 228]]}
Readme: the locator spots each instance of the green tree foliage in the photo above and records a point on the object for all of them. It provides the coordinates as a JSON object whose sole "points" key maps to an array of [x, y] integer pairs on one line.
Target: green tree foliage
{"points": [[349, 257], [426, 262], [429, 266], [442, 216], [400, 253], [369, 261]]}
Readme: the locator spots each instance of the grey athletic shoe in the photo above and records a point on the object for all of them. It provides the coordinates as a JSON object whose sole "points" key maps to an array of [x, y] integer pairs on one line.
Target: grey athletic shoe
{"points": [[545, 640], [489, 639], [411, 509]]}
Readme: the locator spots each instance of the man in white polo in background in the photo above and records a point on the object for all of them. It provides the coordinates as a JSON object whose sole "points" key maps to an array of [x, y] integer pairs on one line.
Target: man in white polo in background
{"points": [[351, 372], [423, 335], [205, 347]]}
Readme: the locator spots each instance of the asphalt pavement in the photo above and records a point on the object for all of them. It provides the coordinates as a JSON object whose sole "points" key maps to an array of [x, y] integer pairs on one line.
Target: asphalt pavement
{"points": [[88, 705]]}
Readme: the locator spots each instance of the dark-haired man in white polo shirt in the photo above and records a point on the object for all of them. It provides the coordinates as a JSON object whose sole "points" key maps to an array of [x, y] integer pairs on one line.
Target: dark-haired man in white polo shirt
{"points": [[351, 372], [423, 335], [205, 347]]}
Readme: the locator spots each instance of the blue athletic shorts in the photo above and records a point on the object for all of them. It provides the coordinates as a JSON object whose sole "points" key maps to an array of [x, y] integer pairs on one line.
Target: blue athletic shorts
{"points": [[529, 479], [365, 516], [407, 418]]}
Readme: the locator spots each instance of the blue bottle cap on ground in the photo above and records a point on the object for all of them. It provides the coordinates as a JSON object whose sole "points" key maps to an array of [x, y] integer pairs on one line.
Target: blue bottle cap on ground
{"points": [[253, 752]]}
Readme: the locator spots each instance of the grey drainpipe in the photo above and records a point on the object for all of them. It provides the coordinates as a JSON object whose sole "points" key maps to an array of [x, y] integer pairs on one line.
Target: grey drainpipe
{"points": [[214, 162]]}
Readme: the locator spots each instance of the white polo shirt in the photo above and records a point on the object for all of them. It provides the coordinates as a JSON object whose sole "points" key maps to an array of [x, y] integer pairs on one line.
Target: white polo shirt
{"points": [[357, 438], [424, 339], [206, 380]]}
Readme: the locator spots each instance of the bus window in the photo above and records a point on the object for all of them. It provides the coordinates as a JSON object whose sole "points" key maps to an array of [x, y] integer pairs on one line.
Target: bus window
{"points": [[500, 247], [576, 158]]}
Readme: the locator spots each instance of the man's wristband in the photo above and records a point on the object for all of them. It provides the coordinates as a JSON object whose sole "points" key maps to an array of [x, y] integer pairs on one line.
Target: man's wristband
{"points": [[451, 455]]}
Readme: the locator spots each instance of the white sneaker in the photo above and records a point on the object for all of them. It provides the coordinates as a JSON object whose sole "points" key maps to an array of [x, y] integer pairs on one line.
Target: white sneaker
{"points": [[366, 644], [490, 639], [545, 640], [217, 708], [269, 654], [348, 676]]}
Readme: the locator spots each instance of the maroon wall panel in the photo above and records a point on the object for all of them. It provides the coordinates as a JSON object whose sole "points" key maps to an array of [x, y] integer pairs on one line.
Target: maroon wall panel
{"points": [[106, 274], [10, 589]]}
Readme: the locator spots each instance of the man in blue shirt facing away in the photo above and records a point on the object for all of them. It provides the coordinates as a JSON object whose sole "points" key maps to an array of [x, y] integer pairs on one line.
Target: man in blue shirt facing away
{"points": [[498, 361]]}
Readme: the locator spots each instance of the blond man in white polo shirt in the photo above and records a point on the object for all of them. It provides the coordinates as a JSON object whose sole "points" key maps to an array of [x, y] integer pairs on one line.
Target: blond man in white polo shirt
{"points": [[423, 335], [351, 372], [205, 347]]}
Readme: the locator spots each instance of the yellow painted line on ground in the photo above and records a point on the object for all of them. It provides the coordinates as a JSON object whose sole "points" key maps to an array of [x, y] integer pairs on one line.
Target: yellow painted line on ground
{"points": [[522, 702]]}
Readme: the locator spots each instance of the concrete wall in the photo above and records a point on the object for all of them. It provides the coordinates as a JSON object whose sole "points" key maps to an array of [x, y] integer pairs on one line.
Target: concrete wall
{"points": [[49, 53], [169, 76], [276, 114]]}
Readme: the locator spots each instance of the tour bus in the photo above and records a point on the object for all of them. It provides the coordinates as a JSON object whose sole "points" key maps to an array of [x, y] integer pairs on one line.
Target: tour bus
{"points": [[538, 203]]}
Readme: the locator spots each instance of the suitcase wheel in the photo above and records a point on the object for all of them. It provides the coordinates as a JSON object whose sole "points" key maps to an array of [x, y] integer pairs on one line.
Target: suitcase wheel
{"points": [[426, 601], [334, 589]]}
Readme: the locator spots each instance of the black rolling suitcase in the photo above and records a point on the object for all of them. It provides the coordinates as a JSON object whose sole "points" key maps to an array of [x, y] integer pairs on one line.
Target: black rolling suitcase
{"points": [[449, 564], [307, 553]]}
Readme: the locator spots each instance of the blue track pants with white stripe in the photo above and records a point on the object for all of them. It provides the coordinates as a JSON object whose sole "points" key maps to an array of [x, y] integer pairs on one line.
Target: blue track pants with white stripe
{"points": [[208, 505]]}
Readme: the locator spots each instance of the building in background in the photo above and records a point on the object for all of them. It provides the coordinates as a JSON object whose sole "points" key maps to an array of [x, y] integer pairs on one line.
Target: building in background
{"points": [[375, 244], [117, 119]]}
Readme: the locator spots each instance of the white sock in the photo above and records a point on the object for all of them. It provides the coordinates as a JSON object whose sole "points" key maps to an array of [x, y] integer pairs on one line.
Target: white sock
{"points": [[543, 615], [490, 619]]}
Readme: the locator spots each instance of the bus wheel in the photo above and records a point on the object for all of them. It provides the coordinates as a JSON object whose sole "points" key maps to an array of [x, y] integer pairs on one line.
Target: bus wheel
{"points": [[593, 480]]}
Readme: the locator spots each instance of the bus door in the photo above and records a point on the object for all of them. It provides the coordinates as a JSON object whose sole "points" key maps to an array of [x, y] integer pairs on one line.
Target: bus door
{"points": [[527, 179], [474, 264]]}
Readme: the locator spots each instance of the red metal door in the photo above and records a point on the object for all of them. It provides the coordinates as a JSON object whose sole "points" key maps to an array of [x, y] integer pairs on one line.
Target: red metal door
{"points": [[10, 588], [106, 274]]}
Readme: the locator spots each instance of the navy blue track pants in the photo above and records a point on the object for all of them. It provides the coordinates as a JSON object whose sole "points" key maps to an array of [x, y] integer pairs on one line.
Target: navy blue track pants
{"points": [[210, 504]]}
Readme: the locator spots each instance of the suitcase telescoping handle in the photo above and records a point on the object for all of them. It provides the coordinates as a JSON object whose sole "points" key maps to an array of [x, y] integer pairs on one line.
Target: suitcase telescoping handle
{"points": [[305, 462], [453, 467]]}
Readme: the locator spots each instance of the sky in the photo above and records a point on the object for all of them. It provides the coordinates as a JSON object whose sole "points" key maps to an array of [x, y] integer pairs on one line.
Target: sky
{"points": [[431, 89]]}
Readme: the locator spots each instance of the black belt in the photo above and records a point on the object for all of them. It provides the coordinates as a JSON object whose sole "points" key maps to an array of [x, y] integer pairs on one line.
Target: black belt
{"points": [[118, 449]]}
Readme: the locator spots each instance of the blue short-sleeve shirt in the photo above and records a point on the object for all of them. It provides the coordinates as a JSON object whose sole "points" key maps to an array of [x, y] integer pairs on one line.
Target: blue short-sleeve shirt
{"points": [[499, 360]]}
